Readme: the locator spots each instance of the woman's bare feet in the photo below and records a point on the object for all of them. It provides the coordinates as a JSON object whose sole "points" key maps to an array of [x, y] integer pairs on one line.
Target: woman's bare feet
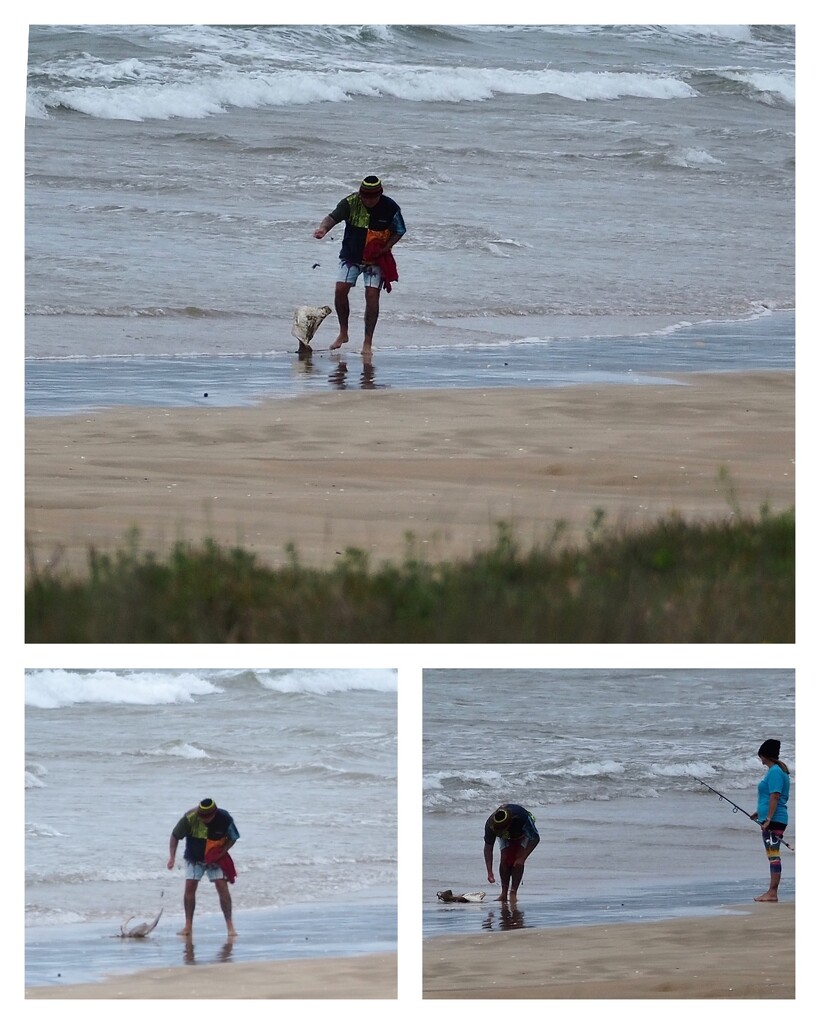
{"points": [[767, 897]]}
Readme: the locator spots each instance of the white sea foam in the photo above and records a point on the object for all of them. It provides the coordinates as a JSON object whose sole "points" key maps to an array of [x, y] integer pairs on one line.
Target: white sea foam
{"points": [[326, 681], [581, 769], [186, 751], [203, 95], [691, 157], [437, 780], [34, 830], [766, 87], [57, 688]]}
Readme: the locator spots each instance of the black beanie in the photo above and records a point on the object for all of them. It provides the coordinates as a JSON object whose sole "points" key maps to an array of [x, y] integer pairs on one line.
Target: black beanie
{"points": [[371, 186], [770, 749]]}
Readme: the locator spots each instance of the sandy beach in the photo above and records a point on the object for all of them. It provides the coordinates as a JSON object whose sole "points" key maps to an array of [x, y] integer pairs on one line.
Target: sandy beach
{"points": [[747, 955], [367, 469], [359, 977]]}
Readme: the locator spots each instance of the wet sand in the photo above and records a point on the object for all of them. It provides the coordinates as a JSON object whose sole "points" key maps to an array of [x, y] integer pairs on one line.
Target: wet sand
{"points": [[744, 955], [331, 471], [360, 977]]}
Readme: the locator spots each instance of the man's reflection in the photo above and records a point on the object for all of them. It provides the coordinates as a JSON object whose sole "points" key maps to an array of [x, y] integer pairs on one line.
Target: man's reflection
{"points": [[338, 378], [223, 956], [504, 918]]}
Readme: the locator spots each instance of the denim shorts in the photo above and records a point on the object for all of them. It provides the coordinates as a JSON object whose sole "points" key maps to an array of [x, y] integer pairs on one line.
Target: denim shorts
{"points": [[349, 274], [195, 869]]}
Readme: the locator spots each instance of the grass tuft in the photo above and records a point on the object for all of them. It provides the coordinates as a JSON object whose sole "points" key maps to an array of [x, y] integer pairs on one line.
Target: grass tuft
{"points": [[673, 582]]}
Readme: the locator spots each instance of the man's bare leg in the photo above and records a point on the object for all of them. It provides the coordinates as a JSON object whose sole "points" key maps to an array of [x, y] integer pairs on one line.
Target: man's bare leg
{"points": [[342, 304], [189, 905], [226, 904], [516, 874], [504, 878], [371, 315]]}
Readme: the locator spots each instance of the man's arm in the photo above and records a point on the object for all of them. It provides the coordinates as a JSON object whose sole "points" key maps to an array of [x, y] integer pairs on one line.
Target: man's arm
{"points": [[488, 861], [325, 226], [173, 851], [231, 836]]}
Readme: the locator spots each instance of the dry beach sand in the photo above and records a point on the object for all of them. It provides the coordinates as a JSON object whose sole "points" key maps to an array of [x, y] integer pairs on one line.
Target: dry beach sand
{"points": [[365, 469], [358, 977], [748, 955]]}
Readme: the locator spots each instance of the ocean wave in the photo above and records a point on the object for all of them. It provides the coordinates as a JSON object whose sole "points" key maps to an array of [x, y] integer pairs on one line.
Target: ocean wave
{"points": [[205, 95], [584, 780], [33, 778], [765, 87], [59, 688], [36, 831], [196, 71], [326, 681], [44, 914], [441, 780], [127, 312], [690, 156], [589, 769], [185, 751]]}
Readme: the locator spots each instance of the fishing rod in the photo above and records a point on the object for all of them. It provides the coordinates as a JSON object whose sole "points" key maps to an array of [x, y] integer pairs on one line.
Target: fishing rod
{"points": [[736, 807]]}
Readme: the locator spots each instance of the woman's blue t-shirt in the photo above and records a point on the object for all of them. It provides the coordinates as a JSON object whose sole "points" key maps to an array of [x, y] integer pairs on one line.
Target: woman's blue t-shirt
{"points": [[774, 781]]}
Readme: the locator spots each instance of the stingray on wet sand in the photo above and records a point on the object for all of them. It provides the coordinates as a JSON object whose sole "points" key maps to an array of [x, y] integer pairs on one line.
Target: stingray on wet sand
{"points": [[448, 896], [138, 931], [306, 321]]}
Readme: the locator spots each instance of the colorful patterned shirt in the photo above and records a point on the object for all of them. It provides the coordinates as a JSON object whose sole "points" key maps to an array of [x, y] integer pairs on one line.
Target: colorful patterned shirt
{"points": [[363, 225], [199, 834]]}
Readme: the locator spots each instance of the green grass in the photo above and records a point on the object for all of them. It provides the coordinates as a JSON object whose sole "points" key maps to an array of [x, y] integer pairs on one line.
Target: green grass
{"points": [[675, 582]]}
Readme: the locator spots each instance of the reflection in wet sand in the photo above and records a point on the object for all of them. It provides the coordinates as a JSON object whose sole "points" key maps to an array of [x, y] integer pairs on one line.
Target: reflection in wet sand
{"points": [[338, 378]]}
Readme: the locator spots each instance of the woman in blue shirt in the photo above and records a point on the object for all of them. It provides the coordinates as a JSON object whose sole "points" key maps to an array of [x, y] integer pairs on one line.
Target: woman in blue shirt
{"points": [[772, 812]]}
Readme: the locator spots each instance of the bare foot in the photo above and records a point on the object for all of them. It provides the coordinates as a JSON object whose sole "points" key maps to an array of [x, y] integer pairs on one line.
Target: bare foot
{"points": [[232, 932], [185, 931], [767, 897], [341, 340]]}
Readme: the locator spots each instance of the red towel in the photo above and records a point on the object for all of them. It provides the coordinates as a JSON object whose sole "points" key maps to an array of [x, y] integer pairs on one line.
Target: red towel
{"points": [[384, 261], [228, 867], [215, 855]]}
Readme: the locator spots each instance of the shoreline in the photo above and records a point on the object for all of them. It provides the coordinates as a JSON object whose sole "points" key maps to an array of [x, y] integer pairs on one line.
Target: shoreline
{"points": [[747, 953], [476, 356], [388, 471]]}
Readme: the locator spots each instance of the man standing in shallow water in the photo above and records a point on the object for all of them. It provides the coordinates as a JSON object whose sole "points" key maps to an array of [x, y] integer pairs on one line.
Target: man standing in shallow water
{"points": [[373, 225], [209, 832], [514, 828]]}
